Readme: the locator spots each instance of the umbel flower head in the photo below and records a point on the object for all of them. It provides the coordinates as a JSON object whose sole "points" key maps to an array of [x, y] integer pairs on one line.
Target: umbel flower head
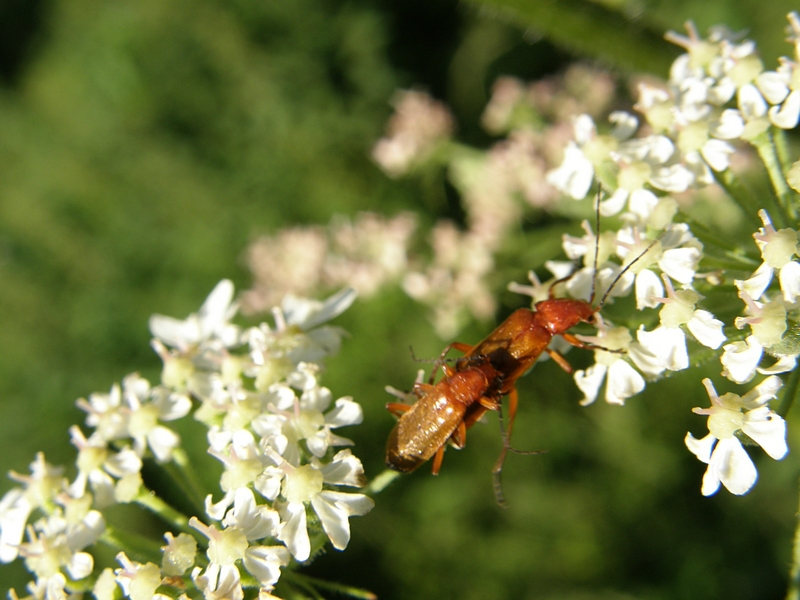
{"points": [[270, 423], [730, 418]]}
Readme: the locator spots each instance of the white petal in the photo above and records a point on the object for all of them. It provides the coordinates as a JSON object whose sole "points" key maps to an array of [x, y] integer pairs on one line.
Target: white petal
{"points": [[648, 287], [316, 344], [700, 448], [740, 359], [790, 281], [102, 485], [625, 123], [580, 284], [80, 565], [645, 360], [785, 116], [313, 313], [561, 268], [174, 332], [679, 234], [584, 128], [216, 310], [768, 430], [217, 511], [783, 365], [14, 512], [175, 406], [124, 462], [680, 263], [256, 520], [706, 329], [228, 585], [762, 393], [575, 175], [333, 510], [642, 203], [676, 178], [623, 382], [346, 412], [751, 103], [731, 465], [345, 469], [265, 562], [615, 203], [87, 532], [589, 382], [723, 91], [716, 153], [668, 344], [774, 86], [162, 442], [268, 484], [757, 283], [294, 532], [728, 126], [659, 149]]}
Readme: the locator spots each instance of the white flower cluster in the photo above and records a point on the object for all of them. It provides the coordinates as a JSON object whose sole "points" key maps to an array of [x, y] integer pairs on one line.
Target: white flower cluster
{"points": [[496, 186], [718, 92], [623, 362], [271, 425], [365, 253], [748, 416], [419, 124]]}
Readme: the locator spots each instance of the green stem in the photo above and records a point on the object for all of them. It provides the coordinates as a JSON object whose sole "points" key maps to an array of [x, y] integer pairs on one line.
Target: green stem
{"points": [[766, 150], [185, 476], [782, 148], [739, 194], [790, 393], [312, 583], [793, 593], [156, 505], [379, 483], [137, 547]]}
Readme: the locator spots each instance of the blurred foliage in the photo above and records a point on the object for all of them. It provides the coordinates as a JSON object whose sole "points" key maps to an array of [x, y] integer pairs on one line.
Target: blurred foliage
{"points": [[144, 144]]}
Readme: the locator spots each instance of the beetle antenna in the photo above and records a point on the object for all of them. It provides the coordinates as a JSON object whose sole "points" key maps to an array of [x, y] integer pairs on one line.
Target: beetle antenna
{"points": [[415, 358], [627, 267], [596, 240]]}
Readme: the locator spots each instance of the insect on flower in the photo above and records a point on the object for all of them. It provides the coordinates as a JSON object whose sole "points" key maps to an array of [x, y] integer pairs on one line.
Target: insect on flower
{"points": [[486, 373]]}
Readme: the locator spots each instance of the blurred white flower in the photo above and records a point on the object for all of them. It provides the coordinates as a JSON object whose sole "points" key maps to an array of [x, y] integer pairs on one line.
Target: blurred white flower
{"points": [[212, 320]]}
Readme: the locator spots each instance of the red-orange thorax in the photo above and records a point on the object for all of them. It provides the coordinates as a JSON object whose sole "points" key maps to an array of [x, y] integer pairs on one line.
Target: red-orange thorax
{"points": [[559, 315], [518, 341]]}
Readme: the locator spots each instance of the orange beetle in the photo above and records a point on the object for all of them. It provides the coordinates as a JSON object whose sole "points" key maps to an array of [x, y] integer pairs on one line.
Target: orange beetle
{"points": [[487, 372], [440, 416]]}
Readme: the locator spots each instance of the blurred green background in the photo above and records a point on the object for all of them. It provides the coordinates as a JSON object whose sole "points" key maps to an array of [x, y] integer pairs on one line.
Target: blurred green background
{"points": [[144, 144]]}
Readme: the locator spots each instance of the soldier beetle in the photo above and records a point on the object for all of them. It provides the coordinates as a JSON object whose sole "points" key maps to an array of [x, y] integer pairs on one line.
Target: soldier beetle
{"points": [[486, 373], [442, 414]]}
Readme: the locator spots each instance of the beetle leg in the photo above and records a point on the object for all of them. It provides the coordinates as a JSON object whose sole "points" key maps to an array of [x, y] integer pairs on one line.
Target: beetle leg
{"points": [[574, 341], [398, 409], [489, 404], [559, 359], [475, 415], [461, 347], [459, 437], [437, 460], [423, 389], [513, 400]]}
